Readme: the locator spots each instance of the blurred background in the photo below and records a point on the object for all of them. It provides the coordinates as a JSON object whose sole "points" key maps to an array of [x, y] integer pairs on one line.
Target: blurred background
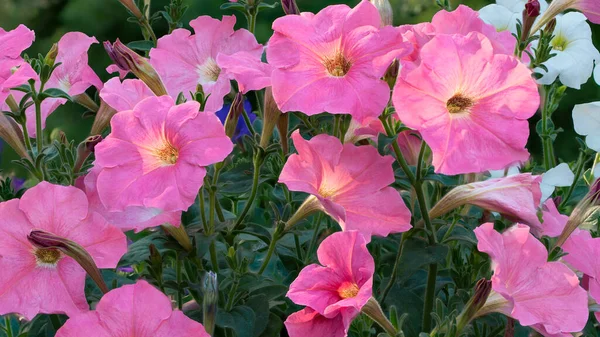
{"points": [[107, 20]]}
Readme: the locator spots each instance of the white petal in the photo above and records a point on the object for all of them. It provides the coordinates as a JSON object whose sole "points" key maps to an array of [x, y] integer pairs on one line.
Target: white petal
{"points": [[597, 171], [593, 142], [560, 175], [547, 191], [498, 16], [586, 118]]}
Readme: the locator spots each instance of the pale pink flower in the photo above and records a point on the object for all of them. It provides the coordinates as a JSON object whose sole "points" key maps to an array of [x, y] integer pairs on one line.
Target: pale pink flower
{"points": [[138, 310], [133, 217], [308, 322], [155, 155], [591, 9], [516, 197], [12, 44], [470, 106], [544, 295], [342, 283], [185, 61], [351, 183], [124, 95], [333, 61], [73, 76], [36, 280]]}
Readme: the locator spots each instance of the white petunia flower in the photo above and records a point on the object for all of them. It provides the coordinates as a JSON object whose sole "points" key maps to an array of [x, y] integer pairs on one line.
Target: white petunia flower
{"points": [[586, 119], [504, 13], [575, 52], [559, 176]]}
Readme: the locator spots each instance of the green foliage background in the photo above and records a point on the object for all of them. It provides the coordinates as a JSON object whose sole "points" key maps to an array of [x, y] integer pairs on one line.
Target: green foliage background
{"points": [[107, 20]]}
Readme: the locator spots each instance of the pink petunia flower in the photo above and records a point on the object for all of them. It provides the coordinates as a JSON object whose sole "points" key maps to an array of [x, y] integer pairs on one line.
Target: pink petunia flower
{"points": [[470, 106], [44, 280], [123, 96], [308, 322], [350, 182], [333, 61], [369, 129], [544, 295], [138, 310], [73, 76], [342, 284], [135, 218], [553, 222], [14, 71], [155, 155], [185, 61]]}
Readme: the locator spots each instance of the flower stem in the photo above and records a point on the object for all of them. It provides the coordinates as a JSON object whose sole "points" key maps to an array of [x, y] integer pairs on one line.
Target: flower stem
{"points": [[270, 252], [548, 149], [213, 256], [202, 214], [179, 288], [388, 287], [313, 241], [8, 326], [38, 126], [258, 161], [581, 161], [232, 291]]}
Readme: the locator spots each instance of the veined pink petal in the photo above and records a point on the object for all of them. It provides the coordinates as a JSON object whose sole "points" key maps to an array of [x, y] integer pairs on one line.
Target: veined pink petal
{"points": [[14, 42], [124, 95], [247, 70], [308, 322]]}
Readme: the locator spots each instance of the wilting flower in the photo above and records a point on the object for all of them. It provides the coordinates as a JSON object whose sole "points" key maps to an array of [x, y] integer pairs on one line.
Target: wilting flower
{"points": [[135, 218], [516, 197], [241, 129], [504, 13], [544, 295], [156, 154], [186, 61], [350, 183], [586, 119], [73, 76], [133, 310], [43, 280], [333, 61], [583, 252], [559, 176], [474, 118], [574, 49], [14, 71], [342, 283], [308, 322]]}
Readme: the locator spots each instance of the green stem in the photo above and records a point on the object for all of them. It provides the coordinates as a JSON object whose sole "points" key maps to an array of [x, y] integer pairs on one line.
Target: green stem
{"points": [[272, 245], [248, 122], [547, 148], [251, 16], [231, 296], [388, 287], [258, 160], [429, 296], [202, 214], [38, 126], [26, 137], [8, 326], [578, 171], [336, 126], [313, 241], [213, 256], [179, 288], [211, 210]]}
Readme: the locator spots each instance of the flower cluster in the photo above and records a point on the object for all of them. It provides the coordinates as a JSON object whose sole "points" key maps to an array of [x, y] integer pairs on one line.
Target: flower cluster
{"points": [[376, 176]]}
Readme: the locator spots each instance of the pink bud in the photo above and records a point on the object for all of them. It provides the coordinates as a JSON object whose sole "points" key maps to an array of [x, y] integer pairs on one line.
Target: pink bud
{"points": [[290, 7], [532, 8]]}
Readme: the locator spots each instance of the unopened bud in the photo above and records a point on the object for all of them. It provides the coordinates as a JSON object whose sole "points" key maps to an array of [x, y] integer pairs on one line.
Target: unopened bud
{"points": [[530, 13], [582, 213], [86, 101], [235, 111], [179, 234], [385, 11], [532, 8], [549, 30], [271, 117], [130, 5], [85, 149], [156, 260], [392, 73], [373, 310], [290, 7], [51, 55], [103, 117], [13, 136], [210, 301], [283, 126], [128, 60], [483, 288], [48, 241]]}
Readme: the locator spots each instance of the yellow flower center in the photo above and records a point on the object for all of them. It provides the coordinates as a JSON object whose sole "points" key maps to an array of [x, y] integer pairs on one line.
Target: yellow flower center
{"points": [[348, 290], [47, 256], [559, 43], [338, 65], [168, 154], [459, 103]]}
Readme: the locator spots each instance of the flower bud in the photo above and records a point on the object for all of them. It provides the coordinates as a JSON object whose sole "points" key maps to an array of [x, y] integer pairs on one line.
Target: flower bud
{"points": [[156, 260], [392, 73], [290, 7], [102, 120], [530, 13], [235, 111], [483, 288], [86, 101], [582, 213], [179, 234], [47, 241], [385, 11], [13, 136], [128, 60], [210, 302], [373, 310], [131, 6], [84, 149], [283, 127], [308, 207], [271, 117], [51, 55]]}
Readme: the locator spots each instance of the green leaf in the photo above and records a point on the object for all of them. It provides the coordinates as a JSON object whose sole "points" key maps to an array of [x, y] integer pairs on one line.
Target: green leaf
{"points": [[241, 320], [233, 5], [139, 251], [55, 93], [274, 327], [260, 305], [417, 254], [142, 45]]}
